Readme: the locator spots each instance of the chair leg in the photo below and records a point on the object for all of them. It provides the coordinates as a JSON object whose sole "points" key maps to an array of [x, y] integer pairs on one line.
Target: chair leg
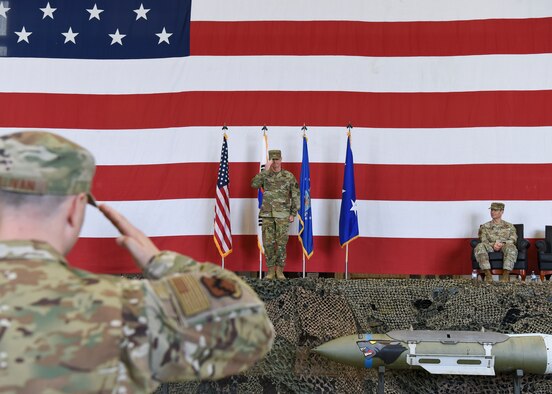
{"points": [[543, 274]]}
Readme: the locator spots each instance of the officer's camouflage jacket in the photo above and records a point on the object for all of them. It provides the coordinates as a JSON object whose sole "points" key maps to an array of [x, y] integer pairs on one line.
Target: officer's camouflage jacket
{"points": [[491, 232], [66, 330], [281, 193]]}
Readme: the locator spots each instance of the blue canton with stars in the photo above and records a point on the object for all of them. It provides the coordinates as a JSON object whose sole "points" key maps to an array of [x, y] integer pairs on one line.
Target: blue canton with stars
{"points": [[223, 176], [76, 29]]}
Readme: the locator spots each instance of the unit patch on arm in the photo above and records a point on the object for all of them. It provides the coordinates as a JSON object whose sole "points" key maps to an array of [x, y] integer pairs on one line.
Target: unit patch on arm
{"points": [[190, 295], [221, 287]]}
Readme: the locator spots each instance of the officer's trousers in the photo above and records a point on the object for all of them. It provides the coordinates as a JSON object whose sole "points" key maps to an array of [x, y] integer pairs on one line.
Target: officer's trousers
{"points": [[482, 256], [275, 238]]}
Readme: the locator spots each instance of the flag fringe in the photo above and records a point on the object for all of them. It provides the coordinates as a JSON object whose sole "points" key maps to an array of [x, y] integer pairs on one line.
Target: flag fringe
{"points": [[301, 240]]}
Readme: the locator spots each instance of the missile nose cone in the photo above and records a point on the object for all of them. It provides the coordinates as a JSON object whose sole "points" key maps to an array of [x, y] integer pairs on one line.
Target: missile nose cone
{"points": [[344, 350], [323, 349]]}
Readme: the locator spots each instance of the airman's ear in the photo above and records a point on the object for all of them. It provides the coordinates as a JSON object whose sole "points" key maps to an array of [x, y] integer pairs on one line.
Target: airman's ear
{"points": [[76, 208], [74, 218]]}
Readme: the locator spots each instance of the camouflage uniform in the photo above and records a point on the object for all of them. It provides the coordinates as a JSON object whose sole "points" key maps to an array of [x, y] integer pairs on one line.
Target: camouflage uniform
{"points": [[489, 233], [64, 330], [280, 201], [74, 331]]}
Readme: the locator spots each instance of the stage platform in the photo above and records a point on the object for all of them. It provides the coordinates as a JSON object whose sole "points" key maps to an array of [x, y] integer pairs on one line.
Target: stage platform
{"points": [[308, 312]]}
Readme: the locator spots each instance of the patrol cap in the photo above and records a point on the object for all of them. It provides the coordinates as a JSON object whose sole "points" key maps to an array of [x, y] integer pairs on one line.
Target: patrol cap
{"points": [[498, 206], [38, 162], [274, 154]]}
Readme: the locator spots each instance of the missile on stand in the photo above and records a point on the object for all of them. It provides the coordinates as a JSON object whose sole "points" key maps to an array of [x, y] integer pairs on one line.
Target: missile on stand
{"points": [[444, 352]]}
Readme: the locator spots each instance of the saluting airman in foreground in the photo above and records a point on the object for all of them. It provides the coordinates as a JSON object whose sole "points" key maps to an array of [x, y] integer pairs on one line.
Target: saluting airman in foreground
{"points": [[67, 330]]}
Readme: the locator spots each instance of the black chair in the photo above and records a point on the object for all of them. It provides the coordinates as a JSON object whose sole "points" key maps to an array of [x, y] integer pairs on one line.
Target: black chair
{"points": [[495, 258], [544, 253]]}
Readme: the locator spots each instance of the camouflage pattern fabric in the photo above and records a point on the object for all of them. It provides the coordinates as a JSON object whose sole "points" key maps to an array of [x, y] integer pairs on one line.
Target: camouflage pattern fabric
{"points": [[275, 238], [281, 193], [280, 201], [67, 330], [491, 232], [34, 162]]}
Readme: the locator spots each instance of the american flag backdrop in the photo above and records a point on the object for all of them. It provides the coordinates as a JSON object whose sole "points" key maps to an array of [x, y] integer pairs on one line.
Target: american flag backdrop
{"points": [[451, 103]]}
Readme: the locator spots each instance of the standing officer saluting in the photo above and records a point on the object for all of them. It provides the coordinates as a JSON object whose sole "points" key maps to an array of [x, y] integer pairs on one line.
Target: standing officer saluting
{"points": [[278, 210], [67, 330]]}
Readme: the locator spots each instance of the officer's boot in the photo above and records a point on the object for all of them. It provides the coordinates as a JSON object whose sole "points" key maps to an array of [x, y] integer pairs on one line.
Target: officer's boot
{"points": [[280, 273], [270, 273], [488, 276], [505, 276]]}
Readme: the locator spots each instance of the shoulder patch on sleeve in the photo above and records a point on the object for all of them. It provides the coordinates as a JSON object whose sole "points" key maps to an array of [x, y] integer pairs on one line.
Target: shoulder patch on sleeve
{"points": [[221, 287], [191, 298]]}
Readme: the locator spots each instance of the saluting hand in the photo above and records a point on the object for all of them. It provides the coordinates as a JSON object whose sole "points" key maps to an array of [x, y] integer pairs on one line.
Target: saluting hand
{"points": [[291, 218], [133, 239]]}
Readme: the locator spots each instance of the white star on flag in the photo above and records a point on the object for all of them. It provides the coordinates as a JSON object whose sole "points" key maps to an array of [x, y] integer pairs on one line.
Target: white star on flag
{"points": [[95, 12], [23, 35], [70, 36], [354, 207], [3, 10], [48, 11], [117, 38], [163, 36], [141, 12]]}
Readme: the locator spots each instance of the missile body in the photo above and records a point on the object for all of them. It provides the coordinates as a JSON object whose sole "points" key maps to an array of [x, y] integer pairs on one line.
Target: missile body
{"points": [[444, 352]]}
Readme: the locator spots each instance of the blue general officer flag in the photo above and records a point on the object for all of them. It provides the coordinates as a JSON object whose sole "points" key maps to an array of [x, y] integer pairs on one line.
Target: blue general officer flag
{"points": [[305, 210], [348, 217]]}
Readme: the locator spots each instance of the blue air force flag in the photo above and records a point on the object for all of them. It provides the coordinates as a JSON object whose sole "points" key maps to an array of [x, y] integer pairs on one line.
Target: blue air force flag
{"points": [[305, 210], [348, 217]]}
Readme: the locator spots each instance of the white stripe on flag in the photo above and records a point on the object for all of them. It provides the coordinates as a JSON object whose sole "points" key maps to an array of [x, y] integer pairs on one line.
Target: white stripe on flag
{"points": [[475, 145], [383, 219], [269, 73], [367, 10]]}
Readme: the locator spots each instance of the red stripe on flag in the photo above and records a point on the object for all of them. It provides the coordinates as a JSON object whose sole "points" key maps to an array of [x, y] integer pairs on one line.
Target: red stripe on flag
{"points": [[373, 255], [223, 233], [385, 110], [393, 182], [446, 38]]}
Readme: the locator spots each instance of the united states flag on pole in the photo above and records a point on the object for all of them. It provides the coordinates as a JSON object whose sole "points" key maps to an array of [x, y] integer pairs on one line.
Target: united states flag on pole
{"points": [[444, 95], [223, 229]]}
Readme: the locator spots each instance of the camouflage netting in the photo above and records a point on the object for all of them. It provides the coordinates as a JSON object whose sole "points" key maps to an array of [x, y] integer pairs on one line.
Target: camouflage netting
{"points": [[308, 312]]}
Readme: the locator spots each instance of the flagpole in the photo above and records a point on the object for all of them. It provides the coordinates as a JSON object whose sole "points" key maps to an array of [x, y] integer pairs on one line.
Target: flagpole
{"points": [[349, 128], [347, 261], [304, 130], [348, 221], [305, 218], [224, 128], [222, 229], [264, 159]]}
